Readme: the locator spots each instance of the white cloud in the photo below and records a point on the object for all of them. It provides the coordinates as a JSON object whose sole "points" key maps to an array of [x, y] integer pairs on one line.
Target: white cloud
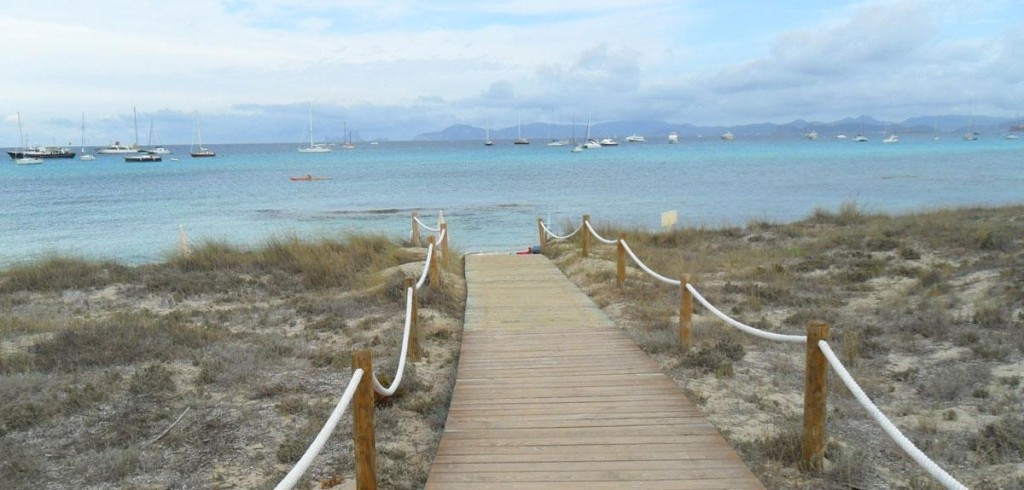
{"points": [[681, 61]]}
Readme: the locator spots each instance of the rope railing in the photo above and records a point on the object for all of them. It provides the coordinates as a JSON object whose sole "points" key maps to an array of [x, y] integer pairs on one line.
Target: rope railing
{"points": [[597, 236], [817, 347], [890, 429], [799, 339], [397, 380], [425, 226], [559, 237], [646, 269], [314, 449], [360, 391], [426, 267]]}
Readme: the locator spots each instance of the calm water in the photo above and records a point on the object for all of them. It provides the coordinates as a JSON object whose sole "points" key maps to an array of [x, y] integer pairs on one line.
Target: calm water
{"points": [[491, 196]]}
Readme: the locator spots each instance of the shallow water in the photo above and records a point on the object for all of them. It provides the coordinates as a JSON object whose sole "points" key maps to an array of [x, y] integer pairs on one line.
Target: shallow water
{"points": [[491, 196]]}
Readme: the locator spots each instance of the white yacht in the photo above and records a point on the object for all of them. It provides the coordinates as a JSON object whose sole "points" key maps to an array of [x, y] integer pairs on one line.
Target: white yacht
{"points": [[728, 136], [635, 138], [608, 142], [673, 137]]}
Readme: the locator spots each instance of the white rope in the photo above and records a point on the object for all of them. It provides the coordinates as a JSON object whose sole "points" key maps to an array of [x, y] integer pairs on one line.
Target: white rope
{"points": [[598, 237], [908, 447], [390, 390], [314, 449], [417, 218], [746, 328], [648, 270], [557, 237], [426, 267]]}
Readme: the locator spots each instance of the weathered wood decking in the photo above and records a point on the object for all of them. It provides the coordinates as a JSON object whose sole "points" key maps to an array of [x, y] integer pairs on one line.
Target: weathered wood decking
{"points": [[551, 394]]}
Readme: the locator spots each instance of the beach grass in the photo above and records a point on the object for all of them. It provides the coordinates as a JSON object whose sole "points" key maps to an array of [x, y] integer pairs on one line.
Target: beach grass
{"points": [[251, 346], [926, 309]]}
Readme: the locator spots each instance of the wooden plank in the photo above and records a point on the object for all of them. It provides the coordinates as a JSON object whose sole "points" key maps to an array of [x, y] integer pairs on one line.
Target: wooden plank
{"points": [[551, 394]]}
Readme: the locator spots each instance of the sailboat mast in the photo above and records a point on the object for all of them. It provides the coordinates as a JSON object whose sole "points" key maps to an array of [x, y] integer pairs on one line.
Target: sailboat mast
{"points": [[135, 117], [21, 134], [310, 124]]}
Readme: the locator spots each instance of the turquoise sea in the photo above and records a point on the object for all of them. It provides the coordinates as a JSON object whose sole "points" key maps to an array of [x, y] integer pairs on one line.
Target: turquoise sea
{"points": [[491, 196]]}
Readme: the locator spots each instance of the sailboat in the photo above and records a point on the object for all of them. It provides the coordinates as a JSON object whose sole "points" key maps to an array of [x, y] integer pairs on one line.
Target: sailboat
{"points": [[590, 143], [155, 150], [85, 157], [575, 148], [23, 159], [314, 147], [487, 134], [200, 152], [348, 145], [519, 134]]}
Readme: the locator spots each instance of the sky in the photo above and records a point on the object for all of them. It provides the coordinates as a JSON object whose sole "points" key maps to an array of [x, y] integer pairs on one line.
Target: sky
{"points": [[252, 69]]}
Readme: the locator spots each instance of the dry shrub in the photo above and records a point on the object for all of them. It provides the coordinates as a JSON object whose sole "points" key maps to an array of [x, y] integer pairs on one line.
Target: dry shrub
{"points": [[950, 382], [716, 358], [1001, 441], [227, 364], [122, 339], [20, 466], [59, 273]]}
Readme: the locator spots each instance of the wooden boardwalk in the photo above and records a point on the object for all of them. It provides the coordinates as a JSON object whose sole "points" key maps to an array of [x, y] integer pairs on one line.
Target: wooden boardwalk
{"points": [[551, 394]]}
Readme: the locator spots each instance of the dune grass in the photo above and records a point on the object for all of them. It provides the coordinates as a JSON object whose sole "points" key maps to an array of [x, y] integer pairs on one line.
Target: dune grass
{"points": [[924, 308], [97, 358]]}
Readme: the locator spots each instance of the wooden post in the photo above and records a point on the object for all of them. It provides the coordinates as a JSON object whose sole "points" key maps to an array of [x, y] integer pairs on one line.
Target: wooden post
{"points": [[444, 245], [586, 235], [685, 314], [362, 423], [815, 409], [414, 334], [620, 263], [435, 279], [415, 229], [543, 236]]}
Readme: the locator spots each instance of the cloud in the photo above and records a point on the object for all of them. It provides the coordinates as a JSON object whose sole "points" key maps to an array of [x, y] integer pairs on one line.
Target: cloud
{"points": [[404, 62]]}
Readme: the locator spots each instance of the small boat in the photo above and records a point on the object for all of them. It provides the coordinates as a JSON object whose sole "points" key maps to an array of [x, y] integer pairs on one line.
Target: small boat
{"points": [[117, 148], [143, 158], [577, 149], [1012, 136], [155, 150], [314, 147], [558, 142], [200, 152], [519, 134], [85, 157], [635, 138], [590, 143], [487, 135], [347, 145], [840, 136], [608, 142], [728, 136], [860, 138], [307, 178], [28, 161], [811, 135], [971, 136], [673, 137], [892, 138]]}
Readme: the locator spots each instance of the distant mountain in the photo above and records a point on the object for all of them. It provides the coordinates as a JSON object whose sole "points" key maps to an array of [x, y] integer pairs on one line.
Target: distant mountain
{"points": [[654, 130]]}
